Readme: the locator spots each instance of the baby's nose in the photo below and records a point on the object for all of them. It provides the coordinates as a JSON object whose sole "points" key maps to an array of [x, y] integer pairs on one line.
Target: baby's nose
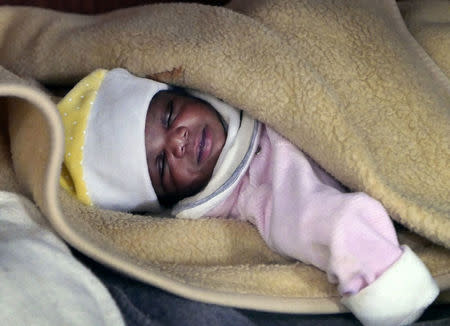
{"points": [[179, 140]]}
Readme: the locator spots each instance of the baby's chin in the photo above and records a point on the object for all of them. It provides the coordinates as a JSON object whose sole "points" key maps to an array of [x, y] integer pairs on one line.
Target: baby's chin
{"points": [[168, 200], [218, 146], [220, 139]]}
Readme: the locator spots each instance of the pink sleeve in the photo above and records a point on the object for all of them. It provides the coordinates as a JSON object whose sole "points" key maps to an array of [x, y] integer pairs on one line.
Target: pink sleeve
{"points": [[303, 213]]}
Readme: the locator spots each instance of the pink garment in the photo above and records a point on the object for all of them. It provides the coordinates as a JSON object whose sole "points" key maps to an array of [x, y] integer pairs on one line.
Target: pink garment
{"points": [[303, 213]]}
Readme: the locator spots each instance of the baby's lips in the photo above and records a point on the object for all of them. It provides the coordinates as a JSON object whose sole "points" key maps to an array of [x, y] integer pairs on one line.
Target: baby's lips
{"points": [[207, 144]]}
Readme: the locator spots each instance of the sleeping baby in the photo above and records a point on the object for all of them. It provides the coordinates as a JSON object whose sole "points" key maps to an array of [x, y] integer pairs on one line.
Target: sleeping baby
{"points": [[137, 145]]}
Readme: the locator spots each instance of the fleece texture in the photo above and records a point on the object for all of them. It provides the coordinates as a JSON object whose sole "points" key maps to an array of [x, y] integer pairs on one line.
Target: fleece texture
{"points": [[345, 81]]}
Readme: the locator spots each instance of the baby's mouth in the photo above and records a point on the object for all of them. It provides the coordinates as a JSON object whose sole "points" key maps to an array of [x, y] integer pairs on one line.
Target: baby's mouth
{"points": [[204, 145]]}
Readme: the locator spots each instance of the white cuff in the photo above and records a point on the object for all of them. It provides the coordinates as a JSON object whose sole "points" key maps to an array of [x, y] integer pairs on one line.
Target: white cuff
{"points": [[398, 296]]}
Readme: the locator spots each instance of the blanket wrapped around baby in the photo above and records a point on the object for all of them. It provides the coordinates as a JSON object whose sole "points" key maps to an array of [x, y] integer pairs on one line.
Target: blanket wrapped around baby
{"points": [[346, 81]]}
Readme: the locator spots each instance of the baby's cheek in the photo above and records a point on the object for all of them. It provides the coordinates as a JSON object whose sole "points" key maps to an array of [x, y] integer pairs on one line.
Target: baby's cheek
{"points": [[194, 182]]}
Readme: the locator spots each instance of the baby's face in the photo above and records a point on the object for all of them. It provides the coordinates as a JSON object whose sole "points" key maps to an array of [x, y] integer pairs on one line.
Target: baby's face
{"points": [[184, 138]]}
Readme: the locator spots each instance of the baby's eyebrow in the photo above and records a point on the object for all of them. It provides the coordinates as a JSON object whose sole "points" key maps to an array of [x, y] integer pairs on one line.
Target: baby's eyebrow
{"points": [[171, 178], [165, 185], [161, 177]]}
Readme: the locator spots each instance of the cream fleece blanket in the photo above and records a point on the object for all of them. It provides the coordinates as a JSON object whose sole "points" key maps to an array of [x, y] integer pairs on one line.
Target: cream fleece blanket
{"points": [[344, 80]]}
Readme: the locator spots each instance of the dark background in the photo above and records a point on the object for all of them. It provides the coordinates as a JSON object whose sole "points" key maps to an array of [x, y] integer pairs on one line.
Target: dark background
{"points": [[96, 6]]}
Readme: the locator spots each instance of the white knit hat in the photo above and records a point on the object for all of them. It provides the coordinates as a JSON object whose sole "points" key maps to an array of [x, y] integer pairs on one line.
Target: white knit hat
{"points": [[111, 131]]}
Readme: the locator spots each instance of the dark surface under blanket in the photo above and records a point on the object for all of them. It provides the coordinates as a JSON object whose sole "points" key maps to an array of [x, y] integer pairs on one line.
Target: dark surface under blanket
{"points": [[144, 305], [97, 6]]}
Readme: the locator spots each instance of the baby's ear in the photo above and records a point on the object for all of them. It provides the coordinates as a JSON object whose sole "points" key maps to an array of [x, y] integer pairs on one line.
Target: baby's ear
{"points": [[174, 76]]}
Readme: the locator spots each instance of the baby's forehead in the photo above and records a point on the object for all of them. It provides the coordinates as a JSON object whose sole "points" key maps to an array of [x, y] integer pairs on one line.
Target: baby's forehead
{"points": [[177, 93]]}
